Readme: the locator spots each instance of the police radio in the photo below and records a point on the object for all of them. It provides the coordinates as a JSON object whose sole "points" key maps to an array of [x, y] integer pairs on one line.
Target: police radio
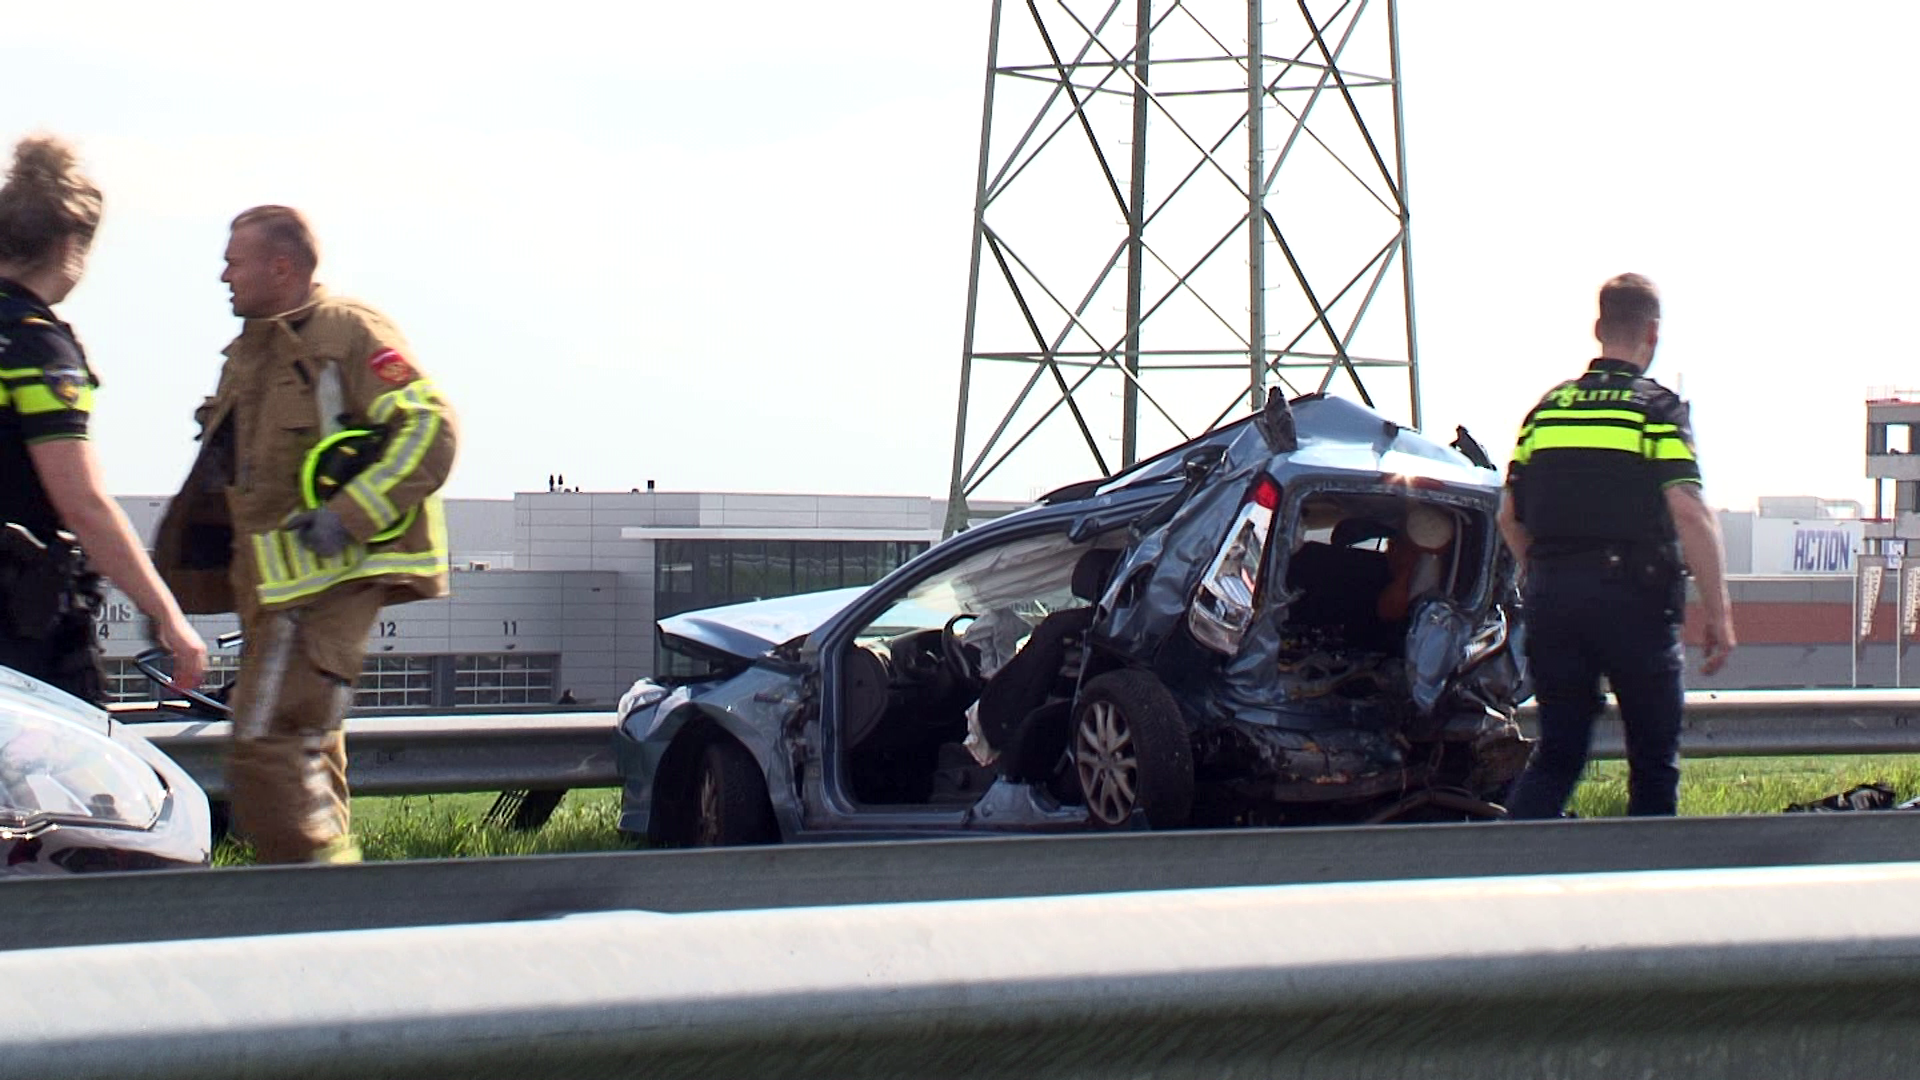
{"points": [[333, 463]]}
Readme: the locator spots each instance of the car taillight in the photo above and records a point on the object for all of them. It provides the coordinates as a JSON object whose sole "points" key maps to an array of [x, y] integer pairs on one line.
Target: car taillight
{"points": [[1266, 493], [1223, 605]]}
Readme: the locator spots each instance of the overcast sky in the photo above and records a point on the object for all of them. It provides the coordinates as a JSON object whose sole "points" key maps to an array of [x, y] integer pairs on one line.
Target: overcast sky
{"points": [[724, 246]]}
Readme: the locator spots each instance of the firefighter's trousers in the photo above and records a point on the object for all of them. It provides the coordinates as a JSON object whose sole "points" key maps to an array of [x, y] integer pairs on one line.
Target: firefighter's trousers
{"points": [[287, 767]]}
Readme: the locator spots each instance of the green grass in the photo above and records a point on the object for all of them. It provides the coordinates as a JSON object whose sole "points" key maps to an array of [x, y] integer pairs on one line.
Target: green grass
{"points": [[451, 826], [1714, 786]]}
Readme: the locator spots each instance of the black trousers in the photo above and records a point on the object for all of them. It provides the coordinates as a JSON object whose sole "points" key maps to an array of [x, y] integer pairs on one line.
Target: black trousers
{"points": [[67, 658], [1588, 618]]}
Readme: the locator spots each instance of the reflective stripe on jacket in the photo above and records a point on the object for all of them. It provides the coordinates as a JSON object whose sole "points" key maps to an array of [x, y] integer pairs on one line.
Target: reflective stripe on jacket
{"points": [[1596, 454], [281, 379], [288, 573]]}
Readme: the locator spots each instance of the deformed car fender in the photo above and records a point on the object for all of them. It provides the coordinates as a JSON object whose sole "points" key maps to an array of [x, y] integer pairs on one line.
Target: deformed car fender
{"points": [[751, 708], [636, 758]]}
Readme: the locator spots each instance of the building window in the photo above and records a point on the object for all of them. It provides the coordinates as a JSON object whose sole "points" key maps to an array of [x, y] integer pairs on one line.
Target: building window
{"points": [[222, 668], [673, 568], [691, 575], [504, 679], [673, 665], [125, 683], [395, 682], [1890, 439]]}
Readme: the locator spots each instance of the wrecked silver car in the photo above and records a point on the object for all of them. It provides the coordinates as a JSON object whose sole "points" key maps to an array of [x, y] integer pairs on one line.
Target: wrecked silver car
{"points": [[1304, 616]]}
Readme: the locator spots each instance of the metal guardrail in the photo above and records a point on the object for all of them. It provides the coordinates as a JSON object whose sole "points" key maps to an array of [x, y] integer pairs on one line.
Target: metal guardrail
{"points": [[1781, 723], [1706, 974], [422, 755], [430, 755], [105, 909]]}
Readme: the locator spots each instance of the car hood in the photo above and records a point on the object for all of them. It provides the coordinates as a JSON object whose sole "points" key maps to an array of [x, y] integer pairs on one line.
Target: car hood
{"points": [[23, 692], [751, 630]]}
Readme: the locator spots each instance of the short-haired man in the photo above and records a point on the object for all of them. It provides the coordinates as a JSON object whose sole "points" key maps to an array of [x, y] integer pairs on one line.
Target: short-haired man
{"points": [[307, 577], [1603, 483]]}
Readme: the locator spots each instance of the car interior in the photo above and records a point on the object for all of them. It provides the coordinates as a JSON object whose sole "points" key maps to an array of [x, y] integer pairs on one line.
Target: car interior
{"points": [[998, 637], [1006, 647], [1362, 564]]}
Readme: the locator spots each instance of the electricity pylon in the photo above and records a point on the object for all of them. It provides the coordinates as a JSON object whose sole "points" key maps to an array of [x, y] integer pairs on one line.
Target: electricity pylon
{"points": [[1179, 203]]}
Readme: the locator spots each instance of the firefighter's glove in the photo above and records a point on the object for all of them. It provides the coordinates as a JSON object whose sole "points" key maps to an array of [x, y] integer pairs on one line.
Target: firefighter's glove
{"points": [[320, 531]]}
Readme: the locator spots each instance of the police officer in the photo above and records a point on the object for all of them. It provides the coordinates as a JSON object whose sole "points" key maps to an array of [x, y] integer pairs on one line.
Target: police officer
{"points": [[1603, 486], [50, 487], [307, 578]]}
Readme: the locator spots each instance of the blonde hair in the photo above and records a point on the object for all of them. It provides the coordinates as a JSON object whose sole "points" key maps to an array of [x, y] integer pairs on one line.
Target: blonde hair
{"points": [[286, 231], [46, 199]]}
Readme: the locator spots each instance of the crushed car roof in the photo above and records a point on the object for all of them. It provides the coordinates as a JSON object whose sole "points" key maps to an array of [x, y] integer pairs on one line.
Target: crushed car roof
{"points": [[1334, 434]]}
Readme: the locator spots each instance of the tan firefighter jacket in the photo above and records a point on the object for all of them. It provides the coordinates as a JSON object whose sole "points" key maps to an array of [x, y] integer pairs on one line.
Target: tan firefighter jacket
{"points": [[288, 382]]}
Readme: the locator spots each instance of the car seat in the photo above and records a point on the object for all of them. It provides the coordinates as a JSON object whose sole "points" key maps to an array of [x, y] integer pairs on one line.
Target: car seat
{"points": [[1337, 589], [1023, 708]]}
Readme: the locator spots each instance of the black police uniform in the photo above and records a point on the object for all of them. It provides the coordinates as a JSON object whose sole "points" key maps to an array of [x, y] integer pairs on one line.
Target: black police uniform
{"points": [[47, 597], [1605, 587]]}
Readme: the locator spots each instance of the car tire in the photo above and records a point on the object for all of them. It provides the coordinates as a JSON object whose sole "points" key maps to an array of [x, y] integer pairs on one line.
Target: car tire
{"points": [[1131, 751], [730, 804]]}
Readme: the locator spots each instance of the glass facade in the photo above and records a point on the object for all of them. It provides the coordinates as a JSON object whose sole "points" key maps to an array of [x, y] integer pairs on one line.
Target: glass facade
{"points": [[395, 682], [688, 575], [389, 681], [504, 679], [693, 574], [125, 683]]}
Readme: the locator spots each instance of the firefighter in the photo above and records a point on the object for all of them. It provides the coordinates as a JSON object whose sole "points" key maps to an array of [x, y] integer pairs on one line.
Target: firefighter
{"points": [[50, 487], [306, 580], [1603, 510]]}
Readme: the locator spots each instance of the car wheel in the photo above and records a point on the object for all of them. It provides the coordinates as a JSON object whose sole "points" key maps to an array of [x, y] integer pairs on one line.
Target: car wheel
{"points": [[730, 799], [1131, 751]]}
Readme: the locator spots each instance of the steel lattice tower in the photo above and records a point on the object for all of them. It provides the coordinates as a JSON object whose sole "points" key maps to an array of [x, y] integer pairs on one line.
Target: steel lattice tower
{"points": [[1178, 204]]}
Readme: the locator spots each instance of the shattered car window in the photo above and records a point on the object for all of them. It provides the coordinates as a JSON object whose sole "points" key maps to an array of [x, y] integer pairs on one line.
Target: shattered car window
{"points": [[1028, 577]]}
